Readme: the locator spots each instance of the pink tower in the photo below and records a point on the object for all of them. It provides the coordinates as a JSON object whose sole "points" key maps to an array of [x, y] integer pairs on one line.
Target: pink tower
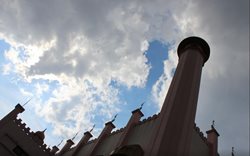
{"points": [[176, 119]]}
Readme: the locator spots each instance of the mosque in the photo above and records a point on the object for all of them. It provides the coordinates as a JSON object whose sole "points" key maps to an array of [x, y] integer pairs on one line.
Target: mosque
{"points": [[172, 132]]}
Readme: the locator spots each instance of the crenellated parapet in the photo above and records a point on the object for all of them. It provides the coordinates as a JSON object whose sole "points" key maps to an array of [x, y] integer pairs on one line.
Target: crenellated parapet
{"points": [[201, 134], [23, 127], [117, 131], [150, 118], [92, 141]]}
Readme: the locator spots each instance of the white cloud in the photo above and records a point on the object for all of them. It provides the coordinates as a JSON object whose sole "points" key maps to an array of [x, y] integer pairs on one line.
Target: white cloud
{"points": [[6, 68], [160, 88], [81, 46]]}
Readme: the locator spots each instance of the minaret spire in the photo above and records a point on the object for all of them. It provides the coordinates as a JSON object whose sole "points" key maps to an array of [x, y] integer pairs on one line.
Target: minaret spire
{"points": [[27, 102], [114, 118], [60, 143], [142, 105], [92, 128], [75, 136], [213, 125]]}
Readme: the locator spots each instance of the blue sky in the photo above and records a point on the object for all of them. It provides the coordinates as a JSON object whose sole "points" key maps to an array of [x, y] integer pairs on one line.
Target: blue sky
{"points": [[87, 63], [132, 98]]}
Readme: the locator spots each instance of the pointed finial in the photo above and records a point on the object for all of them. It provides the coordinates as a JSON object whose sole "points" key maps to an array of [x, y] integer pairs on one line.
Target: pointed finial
{"points": [[92, 128], [213, 124], [232, 151], [142, 105], [26, 102], [114, 118], [60, 143], [44, 130], [75, 136]]}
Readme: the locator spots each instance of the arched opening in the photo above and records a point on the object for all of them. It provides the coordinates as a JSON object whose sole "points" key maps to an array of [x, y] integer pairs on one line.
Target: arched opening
{"points": [[128, 150]]}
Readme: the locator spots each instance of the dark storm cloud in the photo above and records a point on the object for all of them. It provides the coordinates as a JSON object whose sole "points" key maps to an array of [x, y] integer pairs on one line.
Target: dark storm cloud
{"points": [[224, 93]]}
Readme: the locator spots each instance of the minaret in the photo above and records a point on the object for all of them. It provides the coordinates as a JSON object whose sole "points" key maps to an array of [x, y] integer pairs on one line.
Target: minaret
{"points": [[82, 142], [66, 147], [212, 138], [232, 151], [54, 150], [134, 119], [109, 126], [12, 115], [177, 115]]}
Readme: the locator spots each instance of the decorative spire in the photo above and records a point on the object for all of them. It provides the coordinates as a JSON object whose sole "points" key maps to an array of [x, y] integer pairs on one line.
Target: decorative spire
{"points": [[142, 105], [114, 118], [40, 134], [232, 151], [60, 143], [26, 102], [213, 124], [75, 136], [92, 128]]}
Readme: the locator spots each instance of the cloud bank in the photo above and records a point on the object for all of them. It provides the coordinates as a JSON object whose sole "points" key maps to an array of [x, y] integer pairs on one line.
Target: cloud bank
{"points": [[72, 51], [79, 48]]}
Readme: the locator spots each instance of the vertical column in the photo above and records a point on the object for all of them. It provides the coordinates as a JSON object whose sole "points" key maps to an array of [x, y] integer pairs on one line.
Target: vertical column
{"points": [[82, 142], [212, 138], [54, 150], [135, 118], [177, 115], [109, 126], [66, 147], [12, 115]]}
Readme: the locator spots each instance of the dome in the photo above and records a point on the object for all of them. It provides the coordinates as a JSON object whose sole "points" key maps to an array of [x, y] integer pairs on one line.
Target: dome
{"points": [[197, 41], [40, 134]]}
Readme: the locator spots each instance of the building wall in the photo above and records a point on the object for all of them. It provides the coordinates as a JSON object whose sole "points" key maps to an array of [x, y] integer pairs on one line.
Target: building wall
{"points": [[5, 151], [13, 135], [85, 150], [199, 146], [109, 144], [141, 135]]}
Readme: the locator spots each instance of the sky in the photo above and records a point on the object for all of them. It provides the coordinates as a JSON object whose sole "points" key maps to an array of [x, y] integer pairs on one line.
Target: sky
{"points": [[83, 61]]}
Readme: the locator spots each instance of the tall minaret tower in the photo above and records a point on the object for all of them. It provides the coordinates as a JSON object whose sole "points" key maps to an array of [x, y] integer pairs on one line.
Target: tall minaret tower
{"points": [[176, 119]]}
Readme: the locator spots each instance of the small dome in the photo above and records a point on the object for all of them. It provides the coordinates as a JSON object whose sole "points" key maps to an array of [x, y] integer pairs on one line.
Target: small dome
{"points": [[198, 41], [40, 134]]}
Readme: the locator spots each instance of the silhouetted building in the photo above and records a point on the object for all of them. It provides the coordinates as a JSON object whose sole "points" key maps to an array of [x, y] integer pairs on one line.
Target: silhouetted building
{"points": [[172, 132]]}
